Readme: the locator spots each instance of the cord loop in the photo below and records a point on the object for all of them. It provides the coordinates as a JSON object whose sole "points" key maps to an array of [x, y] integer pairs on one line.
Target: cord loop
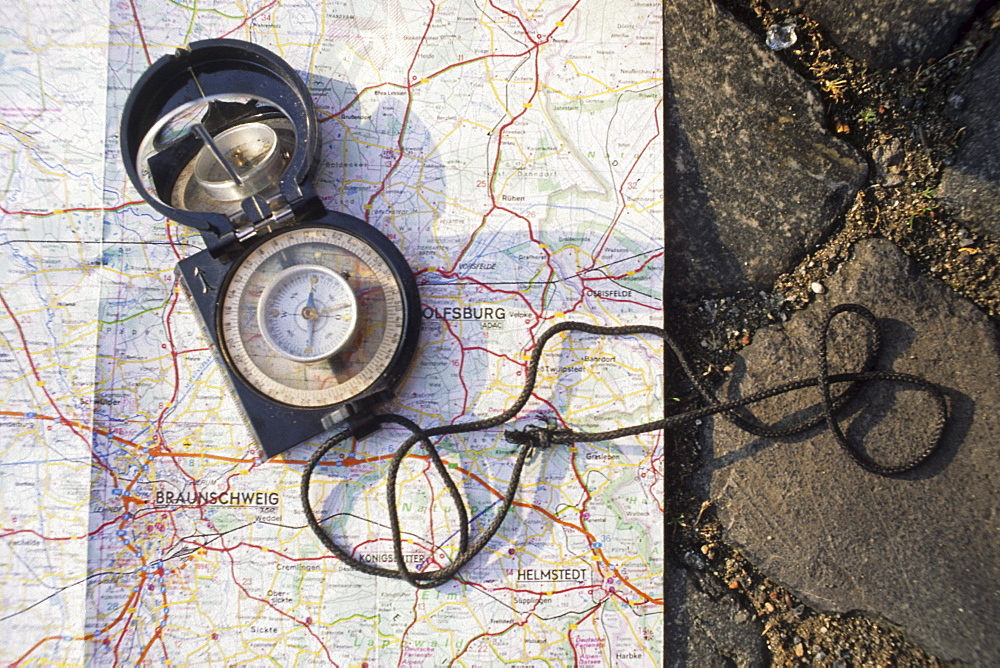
{"points": [[535, 438]]}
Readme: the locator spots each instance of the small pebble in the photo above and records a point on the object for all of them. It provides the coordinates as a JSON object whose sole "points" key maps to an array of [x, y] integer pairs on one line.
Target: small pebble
{"points": [[781, 36], [817, 287], [694, 561]]}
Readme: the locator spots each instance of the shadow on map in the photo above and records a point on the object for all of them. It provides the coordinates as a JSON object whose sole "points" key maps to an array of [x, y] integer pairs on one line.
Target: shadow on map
{"points": [[366, 169]]}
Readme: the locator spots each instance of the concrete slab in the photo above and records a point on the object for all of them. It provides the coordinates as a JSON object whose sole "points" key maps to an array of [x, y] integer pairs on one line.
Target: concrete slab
{"points": [[920, 551], [753, 180], [971, 185], [888, 33]]}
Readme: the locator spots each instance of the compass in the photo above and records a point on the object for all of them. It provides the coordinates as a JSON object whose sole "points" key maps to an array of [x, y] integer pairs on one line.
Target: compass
{"points": [[307, 313], [311, 317], [314, 313]]}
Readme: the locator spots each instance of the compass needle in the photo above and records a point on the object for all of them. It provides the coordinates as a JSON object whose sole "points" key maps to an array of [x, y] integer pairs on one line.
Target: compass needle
{"points": [[309, 313], [285, 292]]}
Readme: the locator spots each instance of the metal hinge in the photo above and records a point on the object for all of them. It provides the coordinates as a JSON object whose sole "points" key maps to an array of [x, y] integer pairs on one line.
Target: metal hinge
{"points": [[281, 214]]}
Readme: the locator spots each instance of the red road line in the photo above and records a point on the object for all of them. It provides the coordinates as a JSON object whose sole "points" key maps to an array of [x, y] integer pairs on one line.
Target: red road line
{"points": [[569, 634], [33, 648], [487, 634], [41, 384], [58, 212], [281, 612], [249, 18], [402, 638], [406, 114], [410, 84], [142, 37], [156, 634], [621, 211]]}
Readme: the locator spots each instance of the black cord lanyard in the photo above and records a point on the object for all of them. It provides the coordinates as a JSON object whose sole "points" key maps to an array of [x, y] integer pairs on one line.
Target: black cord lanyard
{"points": [[543, 437]]}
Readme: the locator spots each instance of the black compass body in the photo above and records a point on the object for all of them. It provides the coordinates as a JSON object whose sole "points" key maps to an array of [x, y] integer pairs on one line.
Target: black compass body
{"points": [[315, 313]]}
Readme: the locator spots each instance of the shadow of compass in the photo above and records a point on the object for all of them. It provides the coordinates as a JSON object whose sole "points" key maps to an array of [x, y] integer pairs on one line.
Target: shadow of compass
{"points": [[378, 162]]}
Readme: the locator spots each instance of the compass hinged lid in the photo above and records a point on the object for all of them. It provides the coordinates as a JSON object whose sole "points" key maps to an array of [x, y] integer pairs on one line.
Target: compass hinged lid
{"points": [[220, 134]]}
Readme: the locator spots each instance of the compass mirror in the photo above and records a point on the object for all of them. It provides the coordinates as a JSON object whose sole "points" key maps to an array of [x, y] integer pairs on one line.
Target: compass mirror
{"points": [[211, 154]]}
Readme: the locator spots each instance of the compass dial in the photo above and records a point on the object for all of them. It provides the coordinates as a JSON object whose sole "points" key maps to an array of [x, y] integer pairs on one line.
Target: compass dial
{"points": [[308, 313], [311, 317]]}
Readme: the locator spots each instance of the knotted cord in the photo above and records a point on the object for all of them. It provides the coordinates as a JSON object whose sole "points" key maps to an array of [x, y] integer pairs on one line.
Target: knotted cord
{"points": [[539, 438]]}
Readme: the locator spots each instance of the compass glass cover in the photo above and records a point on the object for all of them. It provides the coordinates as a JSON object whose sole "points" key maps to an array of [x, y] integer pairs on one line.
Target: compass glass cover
{"points": [[307, 313], [311, 317], [210, 154]]}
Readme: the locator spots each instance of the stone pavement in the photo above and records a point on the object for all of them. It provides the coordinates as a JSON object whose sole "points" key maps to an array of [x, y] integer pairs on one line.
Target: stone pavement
{"points": [[888, 33], [752, 177], [755, 182], [972, 182]]}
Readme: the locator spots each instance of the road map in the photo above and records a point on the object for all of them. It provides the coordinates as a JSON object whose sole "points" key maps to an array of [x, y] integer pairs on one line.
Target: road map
{"points": [[514, 153]]}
